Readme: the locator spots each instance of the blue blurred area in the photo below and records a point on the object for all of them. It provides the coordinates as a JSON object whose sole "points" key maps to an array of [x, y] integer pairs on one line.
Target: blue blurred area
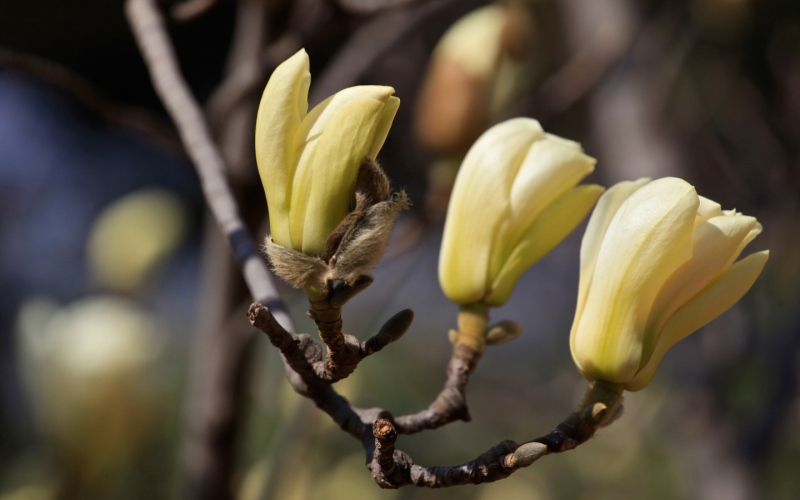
{"points": [[59, 167]]}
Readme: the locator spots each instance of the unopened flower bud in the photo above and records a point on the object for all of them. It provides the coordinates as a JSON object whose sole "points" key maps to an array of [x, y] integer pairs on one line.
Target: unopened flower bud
{"points": [[515, 198], [657, 263]]}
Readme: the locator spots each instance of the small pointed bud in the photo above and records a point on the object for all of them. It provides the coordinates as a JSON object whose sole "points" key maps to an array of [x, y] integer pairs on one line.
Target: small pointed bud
{"points": [[452, 336], [390, 332], [526, 454], [503, 332]]}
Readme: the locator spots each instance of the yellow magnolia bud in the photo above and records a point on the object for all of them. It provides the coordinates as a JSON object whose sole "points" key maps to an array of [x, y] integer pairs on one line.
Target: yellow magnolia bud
{"points": [[308, 161], [478, 66], [133, 235], [89, 368], [657, 263], [514, 200]]}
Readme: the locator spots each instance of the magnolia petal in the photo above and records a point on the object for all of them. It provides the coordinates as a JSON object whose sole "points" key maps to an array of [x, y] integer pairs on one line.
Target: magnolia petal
{"points": [[302, 182], [554, 224], [646, 241], [706, 210], [552, 167], [603, 213], [283, 106], [306, 141], [384, 124], [714, 300], [317, 120], [714, 247], [478, 202], [338, 156], [755, 231]]}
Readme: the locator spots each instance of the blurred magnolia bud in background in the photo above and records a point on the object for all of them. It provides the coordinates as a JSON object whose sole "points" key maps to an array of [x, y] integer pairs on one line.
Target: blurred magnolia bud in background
{"points": [[657, 263], [89, 372], [478, 66], [514, 200], [133, 235], [309, 162]]}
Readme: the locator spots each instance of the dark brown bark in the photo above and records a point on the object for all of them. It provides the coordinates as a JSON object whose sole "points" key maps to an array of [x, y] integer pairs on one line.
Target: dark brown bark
{"points": [[378, 431]]}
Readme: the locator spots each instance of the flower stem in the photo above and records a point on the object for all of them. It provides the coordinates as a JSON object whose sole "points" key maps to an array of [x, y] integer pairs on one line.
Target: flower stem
{"points": [[472, 321]]}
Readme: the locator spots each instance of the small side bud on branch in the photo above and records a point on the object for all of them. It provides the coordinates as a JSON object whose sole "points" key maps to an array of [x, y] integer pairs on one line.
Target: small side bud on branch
{"points": [[502, 332], [525, 455], [392, 330], [452, 336]]}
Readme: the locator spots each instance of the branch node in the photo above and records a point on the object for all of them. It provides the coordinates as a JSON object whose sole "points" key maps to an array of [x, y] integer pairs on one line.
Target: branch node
{"points": [[343, 292]]}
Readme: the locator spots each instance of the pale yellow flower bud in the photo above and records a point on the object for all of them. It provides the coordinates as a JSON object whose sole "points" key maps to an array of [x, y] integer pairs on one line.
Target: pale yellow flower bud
{"points": [[514, 200], [657, 263], [133, 235], [90, 371], [308, 161], [478, 67]]}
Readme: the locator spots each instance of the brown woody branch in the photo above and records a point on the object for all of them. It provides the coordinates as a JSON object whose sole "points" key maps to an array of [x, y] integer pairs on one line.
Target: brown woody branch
{"points": [[378, 430], [189, 10], [344, 351], [392, 468], [451, 403]]}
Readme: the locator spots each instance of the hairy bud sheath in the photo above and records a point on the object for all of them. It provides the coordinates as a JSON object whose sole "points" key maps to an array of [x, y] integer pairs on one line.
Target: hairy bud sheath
{"points": [[657, 263], [515, 198]]}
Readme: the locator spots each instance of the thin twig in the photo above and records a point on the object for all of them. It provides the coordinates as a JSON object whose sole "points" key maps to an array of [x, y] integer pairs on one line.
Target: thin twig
{"points": [[365, 7], [151, 35], [377, 430], [233, 120], [190, 10], [344, 351], [392, 468], [212, 430], [86, 93]]}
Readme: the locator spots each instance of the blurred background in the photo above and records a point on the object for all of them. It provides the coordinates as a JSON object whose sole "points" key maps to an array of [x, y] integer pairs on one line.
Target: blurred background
{"points": [[118, 296]]}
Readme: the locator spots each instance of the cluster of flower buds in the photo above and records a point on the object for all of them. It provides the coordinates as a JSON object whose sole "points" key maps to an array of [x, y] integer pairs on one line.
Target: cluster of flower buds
{"points": [[657, 261]]}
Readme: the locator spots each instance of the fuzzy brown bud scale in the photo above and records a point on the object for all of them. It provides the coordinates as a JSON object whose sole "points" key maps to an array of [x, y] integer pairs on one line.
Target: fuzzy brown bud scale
{"points": [[355, 246]]}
